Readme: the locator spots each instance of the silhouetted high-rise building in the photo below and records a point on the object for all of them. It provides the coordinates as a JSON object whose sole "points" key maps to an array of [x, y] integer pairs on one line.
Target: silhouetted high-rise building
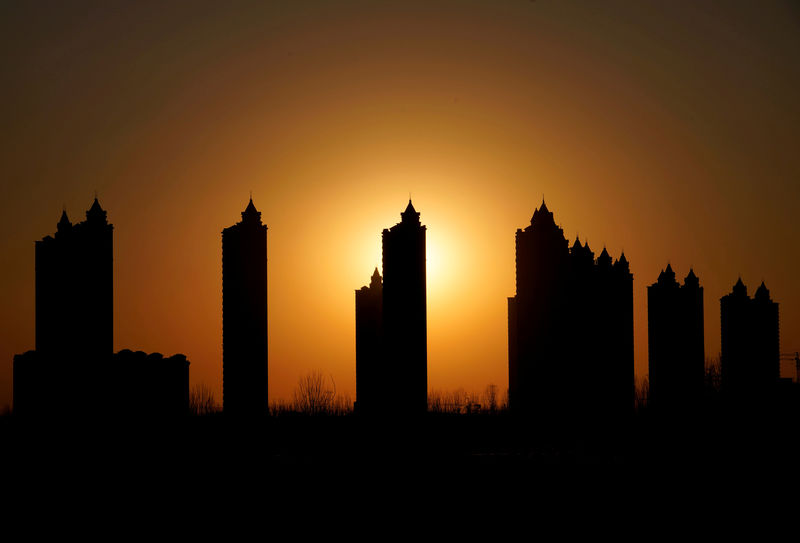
{"points": [[570, 327], [391, 332], [74, 371], [244, 315], [75, 288], [750, 345], [371, 371], [675, 343], [405, 322]]}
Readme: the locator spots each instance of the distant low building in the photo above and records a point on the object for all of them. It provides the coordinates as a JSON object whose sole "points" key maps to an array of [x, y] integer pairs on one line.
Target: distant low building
{"points": [[371, 370], [126, 384]]}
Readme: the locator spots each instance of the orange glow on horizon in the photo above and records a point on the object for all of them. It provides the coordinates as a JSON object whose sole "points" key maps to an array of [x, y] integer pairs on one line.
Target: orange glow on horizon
{"points": [[672, 146]]}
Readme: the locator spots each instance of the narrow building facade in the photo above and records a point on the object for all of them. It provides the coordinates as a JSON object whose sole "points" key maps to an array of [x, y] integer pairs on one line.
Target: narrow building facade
{"points": [[244, 316]]}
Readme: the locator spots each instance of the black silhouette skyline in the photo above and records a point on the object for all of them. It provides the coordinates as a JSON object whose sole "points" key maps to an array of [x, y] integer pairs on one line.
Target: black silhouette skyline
{"points": [[570, 330]]}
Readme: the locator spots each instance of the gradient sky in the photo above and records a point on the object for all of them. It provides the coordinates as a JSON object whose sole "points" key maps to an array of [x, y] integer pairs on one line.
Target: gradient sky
{"points": [[668, 130]]}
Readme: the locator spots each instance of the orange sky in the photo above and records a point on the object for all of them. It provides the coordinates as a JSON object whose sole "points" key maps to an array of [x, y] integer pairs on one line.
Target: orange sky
{"points": [[669, 131]]}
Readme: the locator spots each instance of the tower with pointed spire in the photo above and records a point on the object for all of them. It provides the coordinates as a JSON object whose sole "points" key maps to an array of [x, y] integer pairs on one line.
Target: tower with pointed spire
{"points": [[74, 318], [391, 325], [570, 327], [676, 345], [750, 356], [75, 288], [244, 316], [74, 365], [405, 328]]}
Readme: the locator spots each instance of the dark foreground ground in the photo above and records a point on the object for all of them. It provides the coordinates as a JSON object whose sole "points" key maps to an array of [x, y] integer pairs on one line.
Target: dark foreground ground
{"points": [[452, 469], [427, 444]]}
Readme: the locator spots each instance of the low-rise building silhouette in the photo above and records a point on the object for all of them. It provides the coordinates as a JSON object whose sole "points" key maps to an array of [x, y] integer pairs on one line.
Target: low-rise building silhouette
{"points": [[371, 372], [244, 316], [73, 371], [391, 325], [676, 345], [570, 327], [750, 355]]}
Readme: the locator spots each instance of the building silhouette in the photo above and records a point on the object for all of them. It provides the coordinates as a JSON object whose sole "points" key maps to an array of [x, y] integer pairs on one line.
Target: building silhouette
{"points": [[570, 327], [391, 325], [750, 355], [73, 370], [244, 315], [75, 288], [676, 345], [371, 373]]}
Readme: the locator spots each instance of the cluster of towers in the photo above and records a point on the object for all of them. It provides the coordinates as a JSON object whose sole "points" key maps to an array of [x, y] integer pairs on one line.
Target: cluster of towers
{"points": [[570, 327], [750, 355], [570, 330], [73, 368]]}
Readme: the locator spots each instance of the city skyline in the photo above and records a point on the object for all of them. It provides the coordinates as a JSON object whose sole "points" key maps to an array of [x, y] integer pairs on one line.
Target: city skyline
{"points": [[666, 132]]}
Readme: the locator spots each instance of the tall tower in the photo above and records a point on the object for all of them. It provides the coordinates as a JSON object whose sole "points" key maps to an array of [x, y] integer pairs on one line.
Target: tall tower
{"points": [[244, 315], [371, 371], [74, 320], [75, 288], [405, 314], [538, 316], [675, 343]]}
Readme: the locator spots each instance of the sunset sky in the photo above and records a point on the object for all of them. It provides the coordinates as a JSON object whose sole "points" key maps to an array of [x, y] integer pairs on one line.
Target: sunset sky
{"points": [[668, 130]]}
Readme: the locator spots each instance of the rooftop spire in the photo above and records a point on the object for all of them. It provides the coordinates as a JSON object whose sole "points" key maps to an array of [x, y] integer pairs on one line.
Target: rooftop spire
{"points": [[604, 259], [63, 223], [410, 215], [96, 213], [250, 213], [375, 281], [542, 215], [739, 288], [691, 279], [667, 275], [762, 293]]}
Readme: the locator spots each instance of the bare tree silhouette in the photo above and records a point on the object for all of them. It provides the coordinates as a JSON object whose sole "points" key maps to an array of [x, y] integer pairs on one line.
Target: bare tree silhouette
{"points": [[313, 395]]}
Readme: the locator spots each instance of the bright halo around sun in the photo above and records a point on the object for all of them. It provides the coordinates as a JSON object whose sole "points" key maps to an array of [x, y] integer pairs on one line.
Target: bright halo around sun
{"points": [[433, 263], [440, 267]]}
